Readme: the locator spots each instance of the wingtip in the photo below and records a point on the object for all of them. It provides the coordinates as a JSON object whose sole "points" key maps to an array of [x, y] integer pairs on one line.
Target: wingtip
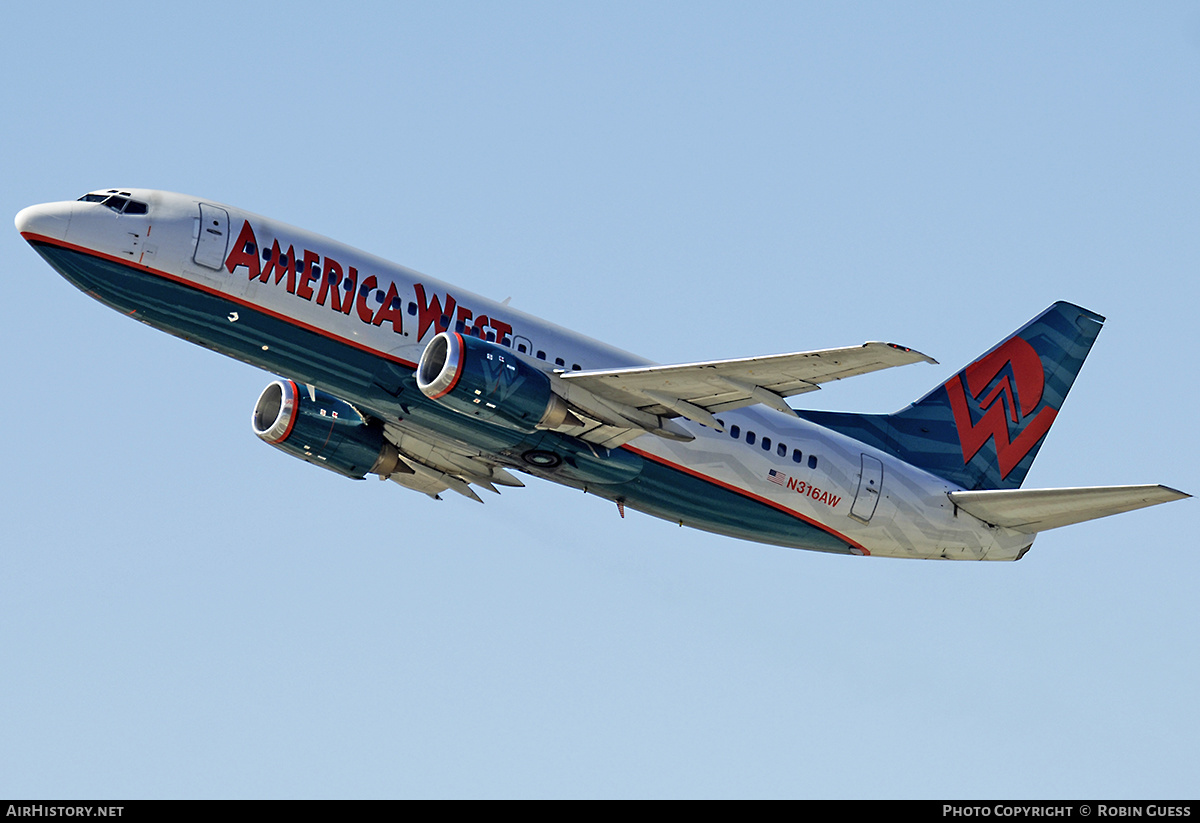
{"points": [[926, 358], [1178, 495]]}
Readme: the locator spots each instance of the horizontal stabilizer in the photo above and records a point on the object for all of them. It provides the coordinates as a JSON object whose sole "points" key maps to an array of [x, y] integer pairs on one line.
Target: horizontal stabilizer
{"points": [[1035, 510]]}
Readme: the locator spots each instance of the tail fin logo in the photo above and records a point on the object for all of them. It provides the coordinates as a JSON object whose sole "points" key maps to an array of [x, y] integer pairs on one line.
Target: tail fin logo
{"points": [[1014, 396]]}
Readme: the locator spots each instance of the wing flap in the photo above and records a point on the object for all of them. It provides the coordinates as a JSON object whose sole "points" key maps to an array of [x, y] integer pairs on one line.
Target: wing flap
{"points": [[1035, 510], [435, 464]]}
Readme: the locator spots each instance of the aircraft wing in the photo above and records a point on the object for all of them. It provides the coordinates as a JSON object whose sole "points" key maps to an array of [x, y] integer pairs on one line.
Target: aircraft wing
{"points": [[697, 391]]}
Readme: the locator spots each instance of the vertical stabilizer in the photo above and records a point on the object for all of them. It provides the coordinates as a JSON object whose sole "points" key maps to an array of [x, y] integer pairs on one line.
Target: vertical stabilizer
{"points": [[983, 427]]}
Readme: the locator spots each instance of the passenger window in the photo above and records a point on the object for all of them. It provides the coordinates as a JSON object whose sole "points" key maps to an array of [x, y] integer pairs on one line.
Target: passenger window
{"points": [[812, 461], [750, 438], [797, 456], [541, 355], [766, 444], [735, 431], [521, 348], [412, 309], [781, 450], [558, 361]]}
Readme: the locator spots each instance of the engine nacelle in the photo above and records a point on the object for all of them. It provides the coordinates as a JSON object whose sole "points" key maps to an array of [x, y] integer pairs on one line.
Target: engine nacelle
{"points": [[488, 381], [324, 431]]}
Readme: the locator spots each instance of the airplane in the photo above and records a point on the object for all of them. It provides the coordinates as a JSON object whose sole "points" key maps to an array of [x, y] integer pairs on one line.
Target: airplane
{"points": [[390, 372]]}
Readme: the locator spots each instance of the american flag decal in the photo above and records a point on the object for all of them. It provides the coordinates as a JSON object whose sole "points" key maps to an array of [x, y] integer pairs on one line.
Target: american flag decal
{"points": [[778, 478]]}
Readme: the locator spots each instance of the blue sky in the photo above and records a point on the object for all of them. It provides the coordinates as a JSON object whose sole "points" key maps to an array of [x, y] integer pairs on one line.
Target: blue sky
{"points": [[185, 612]]}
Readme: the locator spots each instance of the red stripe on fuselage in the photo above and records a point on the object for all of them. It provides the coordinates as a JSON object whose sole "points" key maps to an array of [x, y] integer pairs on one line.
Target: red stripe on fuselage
{"points": [[37, 238], [31, 237], [756, 498]]}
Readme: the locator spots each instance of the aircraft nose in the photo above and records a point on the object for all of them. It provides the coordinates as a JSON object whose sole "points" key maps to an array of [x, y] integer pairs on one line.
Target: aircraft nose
{"points": [[45, 220]]}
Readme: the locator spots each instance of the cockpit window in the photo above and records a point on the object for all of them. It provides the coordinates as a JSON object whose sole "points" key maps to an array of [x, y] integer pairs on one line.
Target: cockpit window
{"points": [[112, 199]]}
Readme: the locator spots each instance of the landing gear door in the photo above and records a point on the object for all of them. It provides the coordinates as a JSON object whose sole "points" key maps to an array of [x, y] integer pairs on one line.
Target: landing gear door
{"points": [[870, 485], [213, 237]]}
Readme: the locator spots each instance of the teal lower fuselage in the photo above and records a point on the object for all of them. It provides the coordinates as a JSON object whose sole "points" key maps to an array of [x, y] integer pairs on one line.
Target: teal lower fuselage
{"points": [[386, 386]]}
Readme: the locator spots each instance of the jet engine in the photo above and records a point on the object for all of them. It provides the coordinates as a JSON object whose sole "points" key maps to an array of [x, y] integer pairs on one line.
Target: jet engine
{"points": [[485, 380], [323, 430]]}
